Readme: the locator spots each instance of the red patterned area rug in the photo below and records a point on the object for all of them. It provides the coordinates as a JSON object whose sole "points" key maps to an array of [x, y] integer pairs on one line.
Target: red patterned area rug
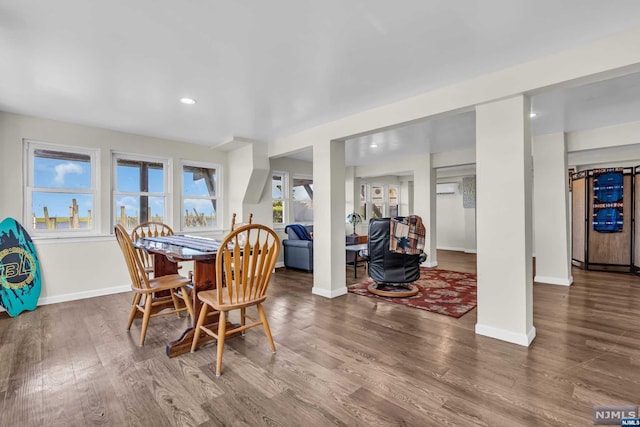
{"points": [[441, 291]]}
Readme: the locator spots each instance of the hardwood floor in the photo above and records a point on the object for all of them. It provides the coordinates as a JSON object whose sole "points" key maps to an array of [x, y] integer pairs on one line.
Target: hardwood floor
{"points": [[351, 361]]}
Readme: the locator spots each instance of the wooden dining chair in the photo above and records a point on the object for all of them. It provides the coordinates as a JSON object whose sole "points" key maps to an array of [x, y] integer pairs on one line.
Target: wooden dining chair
{"points": [[233, 221], [243, 273], [144, 288], [149, 229]]}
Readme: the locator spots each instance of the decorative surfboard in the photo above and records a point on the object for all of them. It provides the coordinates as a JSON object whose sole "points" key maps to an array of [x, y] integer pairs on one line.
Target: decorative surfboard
{"points": [[20, 278]]}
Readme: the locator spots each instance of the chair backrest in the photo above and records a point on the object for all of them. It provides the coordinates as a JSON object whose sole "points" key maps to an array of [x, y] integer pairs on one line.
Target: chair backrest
{"points": [[233, 221], [386, 266], [149, 229], [139, 278], [244, 265]]}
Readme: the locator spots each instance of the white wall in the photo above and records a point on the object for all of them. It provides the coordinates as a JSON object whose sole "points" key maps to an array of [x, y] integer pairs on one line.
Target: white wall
{"points": [[450, 218], [87, 266], [248, 172], [456, 225]]}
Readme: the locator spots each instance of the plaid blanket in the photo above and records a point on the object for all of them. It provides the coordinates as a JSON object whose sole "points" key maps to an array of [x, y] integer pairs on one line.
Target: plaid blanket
{"points": [[406, 235]]}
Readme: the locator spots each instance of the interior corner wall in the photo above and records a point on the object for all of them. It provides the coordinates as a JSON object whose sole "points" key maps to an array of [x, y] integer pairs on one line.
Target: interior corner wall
{"points": [[69, 265]]}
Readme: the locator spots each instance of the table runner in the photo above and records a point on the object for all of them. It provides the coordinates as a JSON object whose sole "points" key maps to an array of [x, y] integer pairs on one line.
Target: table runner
{"points": [[202, 244]]}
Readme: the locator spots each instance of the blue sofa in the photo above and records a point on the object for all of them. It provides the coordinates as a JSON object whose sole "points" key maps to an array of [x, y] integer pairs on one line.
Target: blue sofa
{"points": [[298, 253]]}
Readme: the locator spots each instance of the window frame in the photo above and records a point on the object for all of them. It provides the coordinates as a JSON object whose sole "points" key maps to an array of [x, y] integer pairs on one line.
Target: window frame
{"points": [[284, 199], [363, 202], [386, 202], [30, 146], [397, 205], [218, 197], [371, 204], [166, 184]]}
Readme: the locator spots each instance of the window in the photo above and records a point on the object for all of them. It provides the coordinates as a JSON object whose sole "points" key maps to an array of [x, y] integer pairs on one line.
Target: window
{"points": [[279, 193], [140, 190], [200, 194], [378, 201], [302, 196], [61, 188], [393, 200], [363, 201]]}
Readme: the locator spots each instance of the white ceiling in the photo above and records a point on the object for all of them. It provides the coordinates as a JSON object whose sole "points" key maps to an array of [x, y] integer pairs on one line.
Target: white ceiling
{"points": [[570, 109], [265, 69]]}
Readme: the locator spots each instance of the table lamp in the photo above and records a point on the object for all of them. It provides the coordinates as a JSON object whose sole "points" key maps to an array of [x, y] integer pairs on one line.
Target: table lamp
{"points": [[354, 219]]}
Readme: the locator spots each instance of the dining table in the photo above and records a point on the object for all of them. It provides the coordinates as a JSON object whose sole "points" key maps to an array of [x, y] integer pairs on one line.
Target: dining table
{"points": [[167, 251]]}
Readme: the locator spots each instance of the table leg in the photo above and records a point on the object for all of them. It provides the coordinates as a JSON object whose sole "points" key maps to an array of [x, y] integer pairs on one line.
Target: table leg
{"points": [[204, 278]]}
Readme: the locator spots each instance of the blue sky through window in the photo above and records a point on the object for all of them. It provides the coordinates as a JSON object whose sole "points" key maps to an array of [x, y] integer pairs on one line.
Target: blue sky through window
{"points": [[56, 173], [194, 184]]}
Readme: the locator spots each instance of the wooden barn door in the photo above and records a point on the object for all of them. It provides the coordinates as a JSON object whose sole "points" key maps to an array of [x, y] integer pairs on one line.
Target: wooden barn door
{"points": [[611, 250]]}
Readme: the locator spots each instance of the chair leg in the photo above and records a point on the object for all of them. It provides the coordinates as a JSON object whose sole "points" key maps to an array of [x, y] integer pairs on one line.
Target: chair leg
{"points": [[222, 329], [134, 310], [265, 325], [243, 318], [187, 302], [148, 302], [198, 330], [176, 304]]}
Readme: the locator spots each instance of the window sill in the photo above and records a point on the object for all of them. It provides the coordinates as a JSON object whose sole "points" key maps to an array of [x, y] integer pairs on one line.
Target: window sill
{"points": [[215, 233], [52, 240]]}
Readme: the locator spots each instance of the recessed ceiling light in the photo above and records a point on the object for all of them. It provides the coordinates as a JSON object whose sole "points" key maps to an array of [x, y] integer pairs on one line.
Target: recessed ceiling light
{"points": [[532, 114], [373, 145], [188, 101]]}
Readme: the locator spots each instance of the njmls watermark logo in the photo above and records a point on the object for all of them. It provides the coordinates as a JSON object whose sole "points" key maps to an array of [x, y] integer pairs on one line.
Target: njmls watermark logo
{"points": [[615, 415]]}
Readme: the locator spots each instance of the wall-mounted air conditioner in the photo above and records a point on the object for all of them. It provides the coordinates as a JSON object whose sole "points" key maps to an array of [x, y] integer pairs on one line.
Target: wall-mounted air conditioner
{"points": [[448, 188]]}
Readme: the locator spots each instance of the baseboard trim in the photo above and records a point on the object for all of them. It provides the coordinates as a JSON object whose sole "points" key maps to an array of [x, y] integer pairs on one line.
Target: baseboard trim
{"points": [[429, 264], [505, 335], [450, 248], [80, 295], [279, 264], [83, 295], [554, 280], [329, 293], [470, 251]]}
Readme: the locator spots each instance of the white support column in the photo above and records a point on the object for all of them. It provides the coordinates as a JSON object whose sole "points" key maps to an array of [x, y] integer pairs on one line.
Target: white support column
{"points": [[328, 219], [504, 224], [352, 200], [352, 195], [551, 210], [424, 204]]}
